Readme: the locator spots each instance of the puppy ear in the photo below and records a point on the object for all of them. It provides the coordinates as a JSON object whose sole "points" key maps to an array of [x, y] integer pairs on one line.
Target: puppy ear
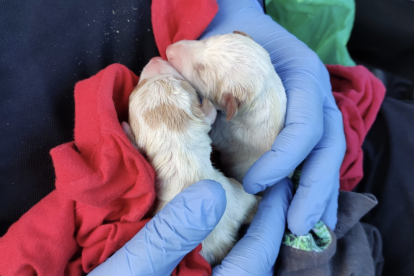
{"points": [[232, 104], [209, 111], [243, 34]]}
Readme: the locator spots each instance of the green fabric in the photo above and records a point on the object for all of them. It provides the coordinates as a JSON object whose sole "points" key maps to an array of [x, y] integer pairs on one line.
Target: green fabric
{"points": [[317, 239], [324, 25]]}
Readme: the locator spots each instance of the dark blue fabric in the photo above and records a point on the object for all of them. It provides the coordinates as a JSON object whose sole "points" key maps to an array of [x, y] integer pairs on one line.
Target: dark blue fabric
{"points": [[383, 35], [389, 175], [45, 48]]}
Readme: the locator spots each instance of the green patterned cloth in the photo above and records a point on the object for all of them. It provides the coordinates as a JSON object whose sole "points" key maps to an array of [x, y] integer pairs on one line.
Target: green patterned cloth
{"points": [[318, 237]]}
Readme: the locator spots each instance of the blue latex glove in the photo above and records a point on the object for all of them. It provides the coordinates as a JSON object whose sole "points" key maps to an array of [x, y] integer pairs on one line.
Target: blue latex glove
{"points": [[313, 126], [256, 252], [184, 222]]}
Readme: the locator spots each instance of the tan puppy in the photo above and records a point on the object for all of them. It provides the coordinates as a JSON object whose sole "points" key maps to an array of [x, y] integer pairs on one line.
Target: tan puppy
{"points": [[237, 75], [171, 128]]}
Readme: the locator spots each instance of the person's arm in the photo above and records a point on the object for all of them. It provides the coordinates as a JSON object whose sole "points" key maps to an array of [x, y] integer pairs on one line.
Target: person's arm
{"points": [[313, 126], [187, 220]]}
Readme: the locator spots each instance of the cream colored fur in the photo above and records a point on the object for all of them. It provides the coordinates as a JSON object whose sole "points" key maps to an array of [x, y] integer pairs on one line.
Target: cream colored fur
{"points": [[180, 154], [235, 64]]}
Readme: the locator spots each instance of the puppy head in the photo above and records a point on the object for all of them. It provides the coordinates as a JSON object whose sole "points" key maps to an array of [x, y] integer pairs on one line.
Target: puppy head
{"points": [[164, 107], [229, 69]]}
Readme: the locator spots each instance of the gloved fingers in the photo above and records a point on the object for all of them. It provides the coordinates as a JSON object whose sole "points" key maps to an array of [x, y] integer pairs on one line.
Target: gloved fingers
{"points": [[330, 216], [303, 130], [233, 16], [319, 180], [256, 252], [176, 230]]}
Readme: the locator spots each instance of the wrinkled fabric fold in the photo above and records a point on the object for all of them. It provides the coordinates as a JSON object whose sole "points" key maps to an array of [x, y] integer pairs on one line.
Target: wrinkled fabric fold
{"points": [[358, 94], [355, 248]]}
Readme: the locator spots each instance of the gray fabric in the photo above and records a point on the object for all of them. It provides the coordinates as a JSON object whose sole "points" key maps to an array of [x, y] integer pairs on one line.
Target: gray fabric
{"points": [[375, 242], [356, 248]]}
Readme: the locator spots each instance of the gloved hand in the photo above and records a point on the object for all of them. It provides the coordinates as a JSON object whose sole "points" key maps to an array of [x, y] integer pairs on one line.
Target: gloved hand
{"points": [[256, 252], [313, 126], [186, 220]]}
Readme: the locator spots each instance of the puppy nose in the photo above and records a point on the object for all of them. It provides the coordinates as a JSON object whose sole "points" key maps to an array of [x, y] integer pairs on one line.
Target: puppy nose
{"points": [[174, 51], [154, 59], [170, 51]]}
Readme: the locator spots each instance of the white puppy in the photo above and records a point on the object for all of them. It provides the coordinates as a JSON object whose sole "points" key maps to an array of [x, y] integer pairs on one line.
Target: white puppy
{"points": [[171, 128], [237, 75]]}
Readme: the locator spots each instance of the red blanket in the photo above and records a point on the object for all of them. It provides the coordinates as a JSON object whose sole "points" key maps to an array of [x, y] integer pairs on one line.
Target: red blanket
{"points": [[359, 95], [104, 187]]}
